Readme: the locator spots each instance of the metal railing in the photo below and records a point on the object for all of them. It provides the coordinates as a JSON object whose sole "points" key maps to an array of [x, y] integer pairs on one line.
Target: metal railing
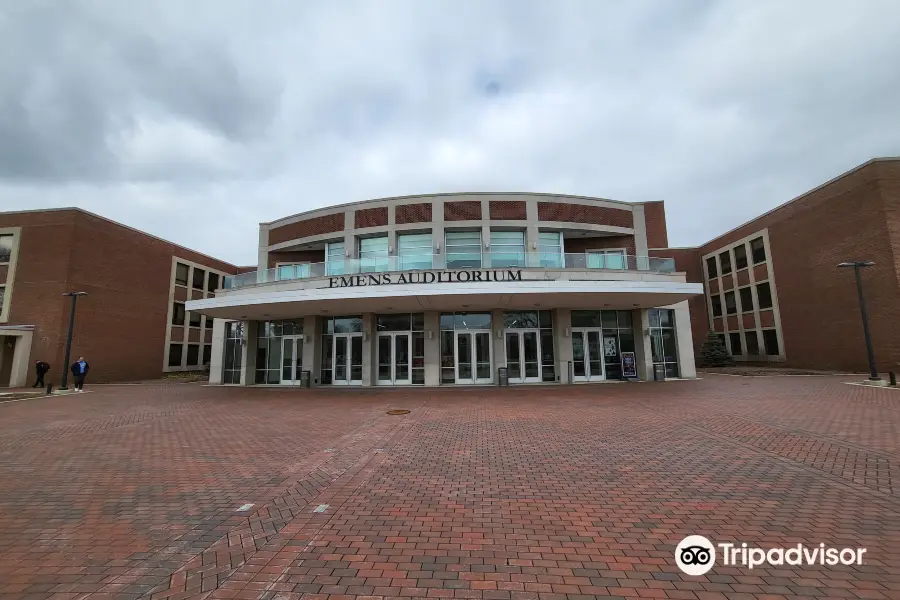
{"points": [[484, 260]]}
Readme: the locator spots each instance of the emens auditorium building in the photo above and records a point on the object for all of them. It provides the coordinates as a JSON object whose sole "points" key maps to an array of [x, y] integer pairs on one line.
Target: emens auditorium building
{"points": [[446, 289]]}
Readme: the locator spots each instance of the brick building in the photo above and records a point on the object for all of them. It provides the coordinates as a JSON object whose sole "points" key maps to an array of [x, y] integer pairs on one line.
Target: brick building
{"points": [[131, 325], [772, 289]]}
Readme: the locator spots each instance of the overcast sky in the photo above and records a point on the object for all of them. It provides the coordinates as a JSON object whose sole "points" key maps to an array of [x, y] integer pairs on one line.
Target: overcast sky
{"points": [[196, 120]]}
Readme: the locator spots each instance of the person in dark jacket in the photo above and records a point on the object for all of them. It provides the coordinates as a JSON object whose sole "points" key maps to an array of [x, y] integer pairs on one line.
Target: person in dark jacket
{"points": [[40, 369], [80, 370]]}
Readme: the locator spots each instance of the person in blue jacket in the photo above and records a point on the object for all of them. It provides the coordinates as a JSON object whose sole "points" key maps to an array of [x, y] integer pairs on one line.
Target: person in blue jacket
{"points": [[80, 370]]}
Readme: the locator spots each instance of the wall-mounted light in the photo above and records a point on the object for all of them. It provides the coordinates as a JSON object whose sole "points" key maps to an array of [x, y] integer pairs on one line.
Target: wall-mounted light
{"points": [[647, 332], [365, 335], [347, 254], [568, 332], [430, 334], [487, 245], [534, 245], [499, 335]]}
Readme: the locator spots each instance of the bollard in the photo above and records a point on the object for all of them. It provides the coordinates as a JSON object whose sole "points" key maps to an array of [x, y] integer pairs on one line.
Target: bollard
{"points": [[893, 377], [49, 388]]}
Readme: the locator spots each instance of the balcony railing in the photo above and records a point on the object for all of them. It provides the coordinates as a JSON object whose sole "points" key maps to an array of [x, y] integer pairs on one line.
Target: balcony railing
{"points": [[424, 262]]}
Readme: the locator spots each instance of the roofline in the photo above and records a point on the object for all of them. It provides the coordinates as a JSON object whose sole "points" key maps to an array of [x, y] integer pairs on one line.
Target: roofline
{"points": [[442, 194], [108, 220], [871, 161]]}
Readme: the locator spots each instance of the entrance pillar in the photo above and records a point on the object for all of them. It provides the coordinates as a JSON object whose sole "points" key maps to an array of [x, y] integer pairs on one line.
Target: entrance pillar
{"points": [[684, 338], [217, 352], [368, 350], [248, 370], [432, 348], [498, 343], [643, 351], [562, 336], [312, 344]]}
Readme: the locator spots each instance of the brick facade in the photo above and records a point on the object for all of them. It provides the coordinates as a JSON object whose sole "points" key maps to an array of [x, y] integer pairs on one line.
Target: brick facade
{"points": [[413, 213], [655, 222], [507, 210], [465, 210], [371, 217], [306, 228], [302, 256], [120, 326], [585, 213]]}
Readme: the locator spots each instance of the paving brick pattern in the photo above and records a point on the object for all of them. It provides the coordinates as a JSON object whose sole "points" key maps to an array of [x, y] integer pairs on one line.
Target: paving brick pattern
{"points": [[538, 493]]}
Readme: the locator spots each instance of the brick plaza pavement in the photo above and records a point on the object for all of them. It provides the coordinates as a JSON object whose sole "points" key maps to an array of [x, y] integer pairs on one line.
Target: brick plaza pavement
{"points": [[537, 493]]}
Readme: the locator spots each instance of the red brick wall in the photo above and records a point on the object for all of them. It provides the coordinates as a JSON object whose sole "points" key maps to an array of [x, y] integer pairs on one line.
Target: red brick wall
{"points": [[307, 228], [310, 256], [371, 217], [655, 219], [413, 213], [584, 213], [854, 217], [465, 210], [507, 210], [573, 245], [687, 260], [120, 326]]}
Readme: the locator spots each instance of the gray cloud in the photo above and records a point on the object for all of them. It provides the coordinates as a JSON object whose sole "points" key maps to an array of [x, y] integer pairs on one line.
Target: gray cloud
{"points": [[164, 114]]}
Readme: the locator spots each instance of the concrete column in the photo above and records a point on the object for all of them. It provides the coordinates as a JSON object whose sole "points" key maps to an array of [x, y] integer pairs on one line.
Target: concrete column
{"points": [[562, 324], [683, 336], [437, 233], [217, 352], [640, 236], [369, 361], [643, 351], [21, 361], [248, 353], [432, 348], [498, 340], [532, 233], [350, 235], [262, 259], [486, 240], [311, 344]]}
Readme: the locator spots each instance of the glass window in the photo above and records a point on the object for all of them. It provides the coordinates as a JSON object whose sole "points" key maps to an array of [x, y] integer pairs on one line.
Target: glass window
{"points": [[735, 339], [663, 343], [463, 249], [418, 321], [472, 321], [716, 302], [344, 325], [586, 318], [2, 296], [746, 299], [175, 355], [373, 254], [758, 249], [6, 242], [764, 295], [418, 358], [507, 249], [740, 257], [193, 355], [209, 322], [207, 354], [194, 318], [711, 269], [730, 305], [770, 340], [181, 274], [212, 282], [448, 357], [725, 260], [521, 320], [752, 343], [415, 251], [545, 319], [232, 361], [606, 259], [393, 322], [178, 313], [334, 258], [197, 278], [551, 249]]}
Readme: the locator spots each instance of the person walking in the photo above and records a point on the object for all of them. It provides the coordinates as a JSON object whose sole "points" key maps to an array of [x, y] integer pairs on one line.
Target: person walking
{"points": [[80, 370], [40, 369]]}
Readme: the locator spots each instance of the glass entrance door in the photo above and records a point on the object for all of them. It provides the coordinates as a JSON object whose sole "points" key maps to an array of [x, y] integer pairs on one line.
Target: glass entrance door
{"points": [[394, 351], [473, 357], [523, 355], [291, 359], [347, 359], [587, 355]]}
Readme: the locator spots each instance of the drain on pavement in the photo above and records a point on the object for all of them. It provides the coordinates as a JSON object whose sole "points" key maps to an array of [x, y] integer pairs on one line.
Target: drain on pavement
{"points": [[321, 508], [398, 412]]}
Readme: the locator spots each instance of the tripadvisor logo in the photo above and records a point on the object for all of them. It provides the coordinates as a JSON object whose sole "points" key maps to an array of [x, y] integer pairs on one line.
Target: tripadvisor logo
{"points": [[696, 555]]}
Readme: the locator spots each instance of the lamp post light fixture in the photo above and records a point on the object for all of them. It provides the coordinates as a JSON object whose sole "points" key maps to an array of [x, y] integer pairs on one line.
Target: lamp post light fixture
{"points": [[870, 353], [65, 370]]}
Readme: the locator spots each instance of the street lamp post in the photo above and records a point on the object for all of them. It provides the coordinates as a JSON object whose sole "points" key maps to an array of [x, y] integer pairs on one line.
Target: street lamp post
{"points": [[870, 353], [65, 370]]}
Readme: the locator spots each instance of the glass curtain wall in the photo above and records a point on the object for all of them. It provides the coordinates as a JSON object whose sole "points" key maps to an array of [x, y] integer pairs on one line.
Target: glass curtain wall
{"points": [[521, 353], [451, 323], [334, 258], [463, 249], [662, 339], [507, 249], [232, 361], [268, 347], [551, 246], [339, 326], [373, 254], [401, 348], [617, 335], [414, 250]]}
